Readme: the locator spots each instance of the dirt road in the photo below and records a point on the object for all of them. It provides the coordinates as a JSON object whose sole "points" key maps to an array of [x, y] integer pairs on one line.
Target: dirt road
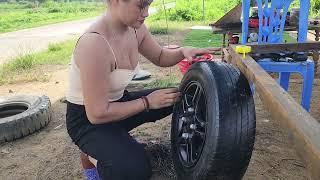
{"points": [[25, 41]]}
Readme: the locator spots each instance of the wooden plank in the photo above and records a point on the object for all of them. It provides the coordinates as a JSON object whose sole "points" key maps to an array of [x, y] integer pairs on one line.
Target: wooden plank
{"points": [[291, 47], [226, 55], [304, 130], [230, 18], [315, 57]]}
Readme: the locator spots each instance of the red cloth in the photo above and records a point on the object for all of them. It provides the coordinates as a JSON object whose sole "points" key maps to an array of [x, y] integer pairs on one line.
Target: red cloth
{"points": [[184, 65]]}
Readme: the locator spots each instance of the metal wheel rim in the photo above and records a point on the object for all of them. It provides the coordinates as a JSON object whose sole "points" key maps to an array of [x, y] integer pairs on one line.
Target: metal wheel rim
{"points": [[192, 123]]}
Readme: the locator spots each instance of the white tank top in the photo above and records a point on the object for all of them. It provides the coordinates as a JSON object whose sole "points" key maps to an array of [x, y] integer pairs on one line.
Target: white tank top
{"points": [[118, 81]]}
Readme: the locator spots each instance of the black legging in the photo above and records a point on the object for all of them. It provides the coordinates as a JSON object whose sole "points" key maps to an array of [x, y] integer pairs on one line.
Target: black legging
{"points": [[119, 156]]}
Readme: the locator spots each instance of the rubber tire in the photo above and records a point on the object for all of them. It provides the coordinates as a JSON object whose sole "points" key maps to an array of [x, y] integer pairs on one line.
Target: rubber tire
{"points": [[34, 118], [230, 133]]}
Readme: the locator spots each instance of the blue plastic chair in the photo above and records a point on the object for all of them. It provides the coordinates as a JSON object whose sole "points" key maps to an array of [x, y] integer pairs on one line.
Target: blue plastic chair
{"points": [[272, 32]]}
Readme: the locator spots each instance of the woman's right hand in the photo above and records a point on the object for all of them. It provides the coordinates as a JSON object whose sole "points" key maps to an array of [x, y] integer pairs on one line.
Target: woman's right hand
{"points": [[163, 98]]}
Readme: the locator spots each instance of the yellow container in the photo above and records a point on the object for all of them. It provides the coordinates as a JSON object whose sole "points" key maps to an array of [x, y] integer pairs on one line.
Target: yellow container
{"points": [[242, 49]]}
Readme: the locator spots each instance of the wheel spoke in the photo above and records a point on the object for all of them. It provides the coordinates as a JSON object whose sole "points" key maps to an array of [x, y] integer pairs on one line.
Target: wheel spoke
{"points": [[183, 152], [200, 134], [180, 140], [186, 102], [196, 96], [191, 150], [200, 121], [183, 102], [180, 125], [188, 152]]}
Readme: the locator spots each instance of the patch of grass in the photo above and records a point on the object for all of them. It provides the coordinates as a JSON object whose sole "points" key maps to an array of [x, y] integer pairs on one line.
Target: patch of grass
{"points": [[160, 26], [191, 10], [169, 81], [22, 63], [157, 3], [202, 38], [24, 66], [314, 7], [54, 47], [289, 39], [57, 54], [14, 16]]}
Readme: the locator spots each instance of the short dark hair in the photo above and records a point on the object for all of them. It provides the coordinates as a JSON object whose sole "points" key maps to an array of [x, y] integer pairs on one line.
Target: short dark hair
{"points": [[145, 3]]}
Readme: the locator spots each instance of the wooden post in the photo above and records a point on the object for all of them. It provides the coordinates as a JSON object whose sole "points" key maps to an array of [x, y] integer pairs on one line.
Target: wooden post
{"points": [[224, 40], [317, 34], [223, 46], [315, 57], [227, 57], [316, 54], [304, 129]]}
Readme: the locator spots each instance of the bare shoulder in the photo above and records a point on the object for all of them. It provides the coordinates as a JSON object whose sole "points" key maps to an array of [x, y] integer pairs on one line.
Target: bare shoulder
{"points": [[91, 41], [92, 48]]}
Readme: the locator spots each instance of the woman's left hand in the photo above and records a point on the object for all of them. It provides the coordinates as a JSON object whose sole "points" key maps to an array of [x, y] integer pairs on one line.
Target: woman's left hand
{"points": [[190, 53]]}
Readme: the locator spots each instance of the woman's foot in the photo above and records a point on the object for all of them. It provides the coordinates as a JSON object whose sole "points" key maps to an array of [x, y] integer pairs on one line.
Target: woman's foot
{"points": [[90, 171], [91, 174]]}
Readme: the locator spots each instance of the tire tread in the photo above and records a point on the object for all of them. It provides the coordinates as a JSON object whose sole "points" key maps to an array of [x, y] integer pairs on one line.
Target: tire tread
{"points": [[27, 122]]}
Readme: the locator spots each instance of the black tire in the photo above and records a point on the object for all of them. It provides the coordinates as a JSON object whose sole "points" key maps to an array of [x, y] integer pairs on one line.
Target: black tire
{"points": [[219, 130], [22, 115]]}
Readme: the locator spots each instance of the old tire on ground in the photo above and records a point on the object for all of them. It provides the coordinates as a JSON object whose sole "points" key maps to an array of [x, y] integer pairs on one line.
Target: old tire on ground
{"points": [[213, 126], [22, 115]]}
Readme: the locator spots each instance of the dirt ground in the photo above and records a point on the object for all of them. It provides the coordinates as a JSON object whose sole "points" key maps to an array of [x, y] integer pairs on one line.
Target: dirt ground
{"points": [[50, 154]]}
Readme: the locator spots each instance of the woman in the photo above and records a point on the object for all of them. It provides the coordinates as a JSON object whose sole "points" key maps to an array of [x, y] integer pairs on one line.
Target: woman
{"points": [[100, 112]]}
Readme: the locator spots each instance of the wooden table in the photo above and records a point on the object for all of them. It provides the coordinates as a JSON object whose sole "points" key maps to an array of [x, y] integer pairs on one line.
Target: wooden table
{"points": [[237, 29]]}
